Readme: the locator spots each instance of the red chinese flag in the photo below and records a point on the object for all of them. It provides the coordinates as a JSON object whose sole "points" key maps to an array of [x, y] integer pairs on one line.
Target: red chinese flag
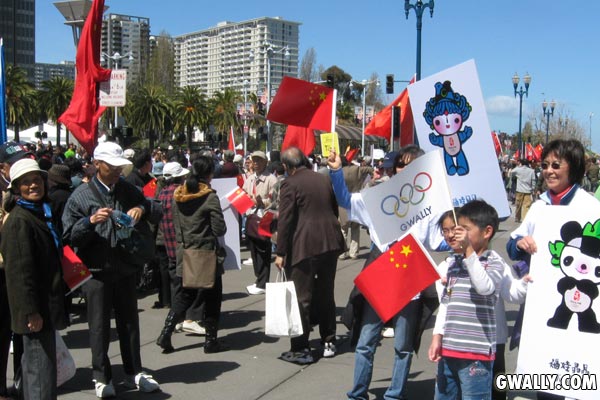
{"points": [[301, 103], [537, 152], [350, 154], [529, 151], [240, 200], [516, 155], [231, 144], [497, 145], [81, 118], [300, 137], [75, 273], [381, 124], [150, 188], [264, 226], [395, 277]]}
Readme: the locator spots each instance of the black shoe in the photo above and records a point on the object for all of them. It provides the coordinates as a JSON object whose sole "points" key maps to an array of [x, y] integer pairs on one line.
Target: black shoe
{"points": [[214, 347], [303, 357]]}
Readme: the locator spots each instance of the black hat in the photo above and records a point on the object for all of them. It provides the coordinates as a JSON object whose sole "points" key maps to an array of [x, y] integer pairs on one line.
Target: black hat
{"points": [[11, 152], [60, 173]]}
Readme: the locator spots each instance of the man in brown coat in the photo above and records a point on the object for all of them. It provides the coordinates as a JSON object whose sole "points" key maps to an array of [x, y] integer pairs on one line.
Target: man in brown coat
{"points": [[308, 244]]}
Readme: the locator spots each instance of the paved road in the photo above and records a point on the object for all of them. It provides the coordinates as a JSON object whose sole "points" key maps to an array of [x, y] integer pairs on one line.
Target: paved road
{"points": [[251, 370]]}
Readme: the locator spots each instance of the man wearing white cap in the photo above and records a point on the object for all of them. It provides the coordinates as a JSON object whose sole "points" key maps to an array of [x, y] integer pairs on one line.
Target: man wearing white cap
{"points": [[91, 222]]}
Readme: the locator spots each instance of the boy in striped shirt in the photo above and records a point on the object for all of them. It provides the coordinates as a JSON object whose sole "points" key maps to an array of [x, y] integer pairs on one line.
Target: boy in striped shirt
{"points": [[464, 336]]}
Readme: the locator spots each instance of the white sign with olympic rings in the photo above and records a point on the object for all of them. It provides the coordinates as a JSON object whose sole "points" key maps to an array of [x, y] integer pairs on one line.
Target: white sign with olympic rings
{"points": [[412, 197]]}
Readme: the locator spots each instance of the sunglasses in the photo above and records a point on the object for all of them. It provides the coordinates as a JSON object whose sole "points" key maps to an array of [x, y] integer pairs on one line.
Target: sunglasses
{"points": [[553, 165]]}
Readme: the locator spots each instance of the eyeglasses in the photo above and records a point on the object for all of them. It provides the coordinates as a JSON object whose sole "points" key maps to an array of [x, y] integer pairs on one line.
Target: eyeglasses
{"points": [[553, 165], [401, 164], [447, 231]]}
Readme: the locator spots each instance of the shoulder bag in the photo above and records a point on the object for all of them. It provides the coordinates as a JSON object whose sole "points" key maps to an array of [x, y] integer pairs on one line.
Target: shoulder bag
{"points": [[199, 266]]}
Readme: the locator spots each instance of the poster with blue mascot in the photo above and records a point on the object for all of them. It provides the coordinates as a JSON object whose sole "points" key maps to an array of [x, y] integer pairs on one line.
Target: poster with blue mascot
{"points": [[561, 327], [449, 114]]}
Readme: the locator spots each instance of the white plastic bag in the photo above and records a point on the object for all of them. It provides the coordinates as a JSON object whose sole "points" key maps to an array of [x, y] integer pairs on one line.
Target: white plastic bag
{"points": [[65, 365], [281, 308]]}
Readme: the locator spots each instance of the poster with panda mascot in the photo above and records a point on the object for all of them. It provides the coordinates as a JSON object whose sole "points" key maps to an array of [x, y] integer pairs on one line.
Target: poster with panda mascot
{"points": [[560, 342]]}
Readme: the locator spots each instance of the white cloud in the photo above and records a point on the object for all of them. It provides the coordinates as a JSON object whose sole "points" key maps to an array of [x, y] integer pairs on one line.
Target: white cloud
{"points": [[502, 106]]}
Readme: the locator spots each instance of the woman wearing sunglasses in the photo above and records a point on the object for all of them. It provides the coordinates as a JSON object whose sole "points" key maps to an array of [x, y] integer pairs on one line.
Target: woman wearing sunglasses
{"points": [[563, 168]]}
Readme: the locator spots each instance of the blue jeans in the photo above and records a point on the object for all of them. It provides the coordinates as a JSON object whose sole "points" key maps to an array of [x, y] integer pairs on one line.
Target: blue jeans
{"points": [[39, 364], [405, 327], [463, 379]]}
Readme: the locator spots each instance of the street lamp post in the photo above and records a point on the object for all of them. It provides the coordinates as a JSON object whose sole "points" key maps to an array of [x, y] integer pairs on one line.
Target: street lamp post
{"points": [[270, 50], [548, 113], [419, 7], [364, 110], [521, 92], [116, 57]]}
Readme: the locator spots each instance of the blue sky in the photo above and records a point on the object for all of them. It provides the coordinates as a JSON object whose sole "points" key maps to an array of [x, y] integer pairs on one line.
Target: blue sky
{"points": [[557, 43]]}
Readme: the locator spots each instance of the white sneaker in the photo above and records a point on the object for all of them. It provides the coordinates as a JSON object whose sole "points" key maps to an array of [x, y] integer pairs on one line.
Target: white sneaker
{"points": [[388, 332], [179, 327], [252, 289], [329, 350], [193, 327], [248, 262], [142, 381], [104, 390]]}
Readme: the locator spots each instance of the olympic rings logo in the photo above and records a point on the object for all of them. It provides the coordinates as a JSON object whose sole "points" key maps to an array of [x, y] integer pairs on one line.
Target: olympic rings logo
{"points": [[410, 194]]}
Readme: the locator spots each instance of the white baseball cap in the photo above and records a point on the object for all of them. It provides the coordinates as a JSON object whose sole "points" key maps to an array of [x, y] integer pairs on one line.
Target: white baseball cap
{"points": [[22, 167], [174, 170], [111, 153]]}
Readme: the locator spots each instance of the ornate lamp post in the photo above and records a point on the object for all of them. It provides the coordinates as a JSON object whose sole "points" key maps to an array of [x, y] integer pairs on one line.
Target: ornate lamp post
{"points": [[419, 7], [548, 113], [521, 92]]}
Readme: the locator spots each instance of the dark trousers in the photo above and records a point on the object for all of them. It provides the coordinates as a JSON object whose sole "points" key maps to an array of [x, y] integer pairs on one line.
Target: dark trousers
{"points": [[164, 282], [499, 367], [210, 298], [103, 293], [260, 251], [39, 364], [195, 312], [303, 275], [5, 333]]}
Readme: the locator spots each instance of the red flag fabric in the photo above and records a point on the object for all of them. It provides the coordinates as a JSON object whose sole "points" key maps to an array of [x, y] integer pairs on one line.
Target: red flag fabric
{"points": [[81, 118], [516, 155], [231, 144], [300, 137], [396, 276], [537, 152], [75, 273], [240, 200], [497, 145], [529, 151], [381, 124], [264, 226], [350, 154], [301, 103], [149, 188]]}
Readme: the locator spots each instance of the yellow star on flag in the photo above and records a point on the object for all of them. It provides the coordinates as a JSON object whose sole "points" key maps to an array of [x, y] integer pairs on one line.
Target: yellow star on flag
{"points": [[406, 250]]}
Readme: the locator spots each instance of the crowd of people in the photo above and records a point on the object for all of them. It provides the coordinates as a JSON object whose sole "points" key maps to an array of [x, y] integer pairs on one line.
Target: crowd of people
{"points": [[55, 197]]}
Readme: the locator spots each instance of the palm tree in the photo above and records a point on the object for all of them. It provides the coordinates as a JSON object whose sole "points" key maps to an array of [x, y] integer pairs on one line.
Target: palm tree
{"points": [[224, 111], [149, 111], [19, 98], [190, 110], [55, 98]]}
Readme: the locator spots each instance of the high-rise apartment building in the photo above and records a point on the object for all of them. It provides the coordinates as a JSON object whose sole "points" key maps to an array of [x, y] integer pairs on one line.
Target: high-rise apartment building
{"points": [[126, 44], [227, 55], [17, 21], [45, 72]]}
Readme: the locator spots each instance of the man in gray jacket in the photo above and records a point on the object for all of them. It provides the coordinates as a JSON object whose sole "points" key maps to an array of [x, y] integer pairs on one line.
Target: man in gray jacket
{"points": [[525, 184]]}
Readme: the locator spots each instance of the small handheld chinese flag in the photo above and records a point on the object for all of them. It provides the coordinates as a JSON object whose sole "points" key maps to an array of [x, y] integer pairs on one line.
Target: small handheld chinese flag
{"points": [[150, 188], [395, 277], [75, 273], [240, 200], [264, 226]]}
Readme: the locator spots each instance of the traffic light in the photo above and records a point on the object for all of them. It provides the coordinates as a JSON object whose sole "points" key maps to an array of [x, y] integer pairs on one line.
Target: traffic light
{"points": [[330, 81], [389, 83]]}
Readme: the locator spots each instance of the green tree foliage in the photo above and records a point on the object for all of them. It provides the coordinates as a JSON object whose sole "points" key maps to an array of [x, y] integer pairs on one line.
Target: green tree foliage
{"points": [[190, 110], [149, 110], [20, 99], [223, 109], [54, 99]]}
